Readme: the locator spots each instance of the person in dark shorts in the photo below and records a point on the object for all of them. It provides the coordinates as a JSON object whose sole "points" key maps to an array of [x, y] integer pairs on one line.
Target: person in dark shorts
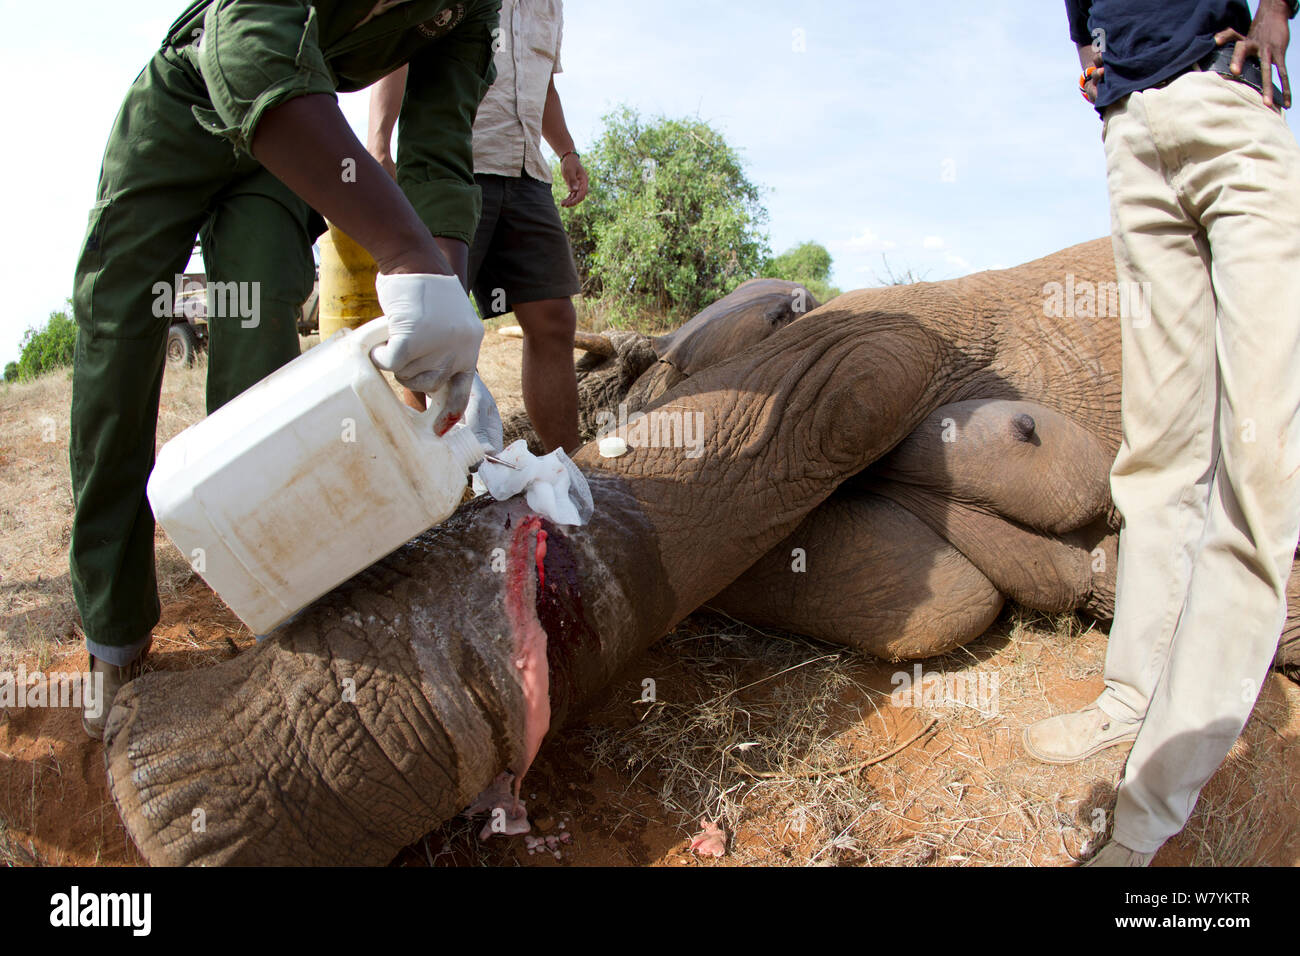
{"points": [[520, 260]]}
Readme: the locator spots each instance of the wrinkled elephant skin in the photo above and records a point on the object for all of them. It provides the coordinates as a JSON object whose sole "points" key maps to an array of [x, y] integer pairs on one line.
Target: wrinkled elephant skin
{"points": [[933, 449]]}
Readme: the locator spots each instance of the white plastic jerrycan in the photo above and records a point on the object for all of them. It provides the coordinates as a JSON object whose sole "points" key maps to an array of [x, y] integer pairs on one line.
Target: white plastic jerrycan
{"points": [[310, 476]]}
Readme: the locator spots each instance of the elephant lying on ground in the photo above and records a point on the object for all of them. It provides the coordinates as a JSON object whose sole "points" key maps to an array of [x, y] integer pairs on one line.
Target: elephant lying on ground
{"points": [[987, 499], [391, 703]]}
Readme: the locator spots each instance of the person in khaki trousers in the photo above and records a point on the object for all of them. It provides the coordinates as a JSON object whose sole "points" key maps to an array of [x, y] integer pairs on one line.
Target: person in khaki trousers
{"points": [[1204, 179]]}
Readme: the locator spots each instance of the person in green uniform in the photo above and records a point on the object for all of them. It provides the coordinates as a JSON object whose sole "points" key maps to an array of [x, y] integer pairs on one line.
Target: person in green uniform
{"points": [[233, 132]]}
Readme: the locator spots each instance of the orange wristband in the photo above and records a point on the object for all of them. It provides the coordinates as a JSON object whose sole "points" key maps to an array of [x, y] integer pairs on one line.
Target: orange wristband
{"points": [[1084, 77]]}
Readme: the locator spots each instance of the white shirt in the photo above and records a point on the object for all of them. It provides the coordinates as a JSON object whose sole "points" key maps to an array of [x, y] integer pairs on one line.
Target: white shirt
{"points": [[508, 130]]}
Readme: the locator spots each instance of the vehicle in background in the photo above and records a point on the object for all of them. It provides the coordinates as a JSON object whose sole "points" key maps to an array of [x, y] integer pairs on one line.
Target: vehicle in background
{"points": [[188, 333]]}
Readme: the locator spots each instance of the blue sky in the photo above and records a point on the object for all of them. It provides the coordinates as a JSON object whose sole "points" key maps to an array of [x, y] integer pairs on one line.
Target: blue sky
{"points": [[946, 135]]}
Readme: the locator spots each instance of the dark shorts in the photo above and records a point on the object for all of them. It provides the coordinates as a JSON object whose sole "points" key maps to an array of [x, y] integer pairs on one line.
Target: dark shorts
{"points": [[520, 252]]}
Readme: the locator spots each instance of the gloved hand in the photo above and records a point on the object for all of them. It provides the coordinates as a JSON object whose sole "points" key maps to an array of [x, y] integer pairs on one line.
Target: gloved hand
{"points": [[483, 418], [433, 338]]}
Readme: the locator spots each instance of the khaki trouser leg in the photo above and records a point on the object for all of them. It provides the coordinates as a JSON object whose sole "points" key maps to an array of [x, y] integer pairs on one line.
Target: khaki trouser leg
{"points": [[1160, 479], [1235, 169]]}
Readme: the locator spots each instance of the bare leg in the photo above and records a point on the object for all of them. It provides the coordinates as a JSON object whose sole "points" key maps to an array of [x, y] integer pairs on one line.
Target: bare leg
{"points": [[550, 384]]}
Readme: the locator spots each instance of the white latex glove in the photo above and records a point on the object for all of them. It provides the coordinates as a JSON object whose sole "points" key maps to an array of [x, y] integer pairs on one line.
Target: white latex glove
{"points": [[433, 338], [482, 416]]}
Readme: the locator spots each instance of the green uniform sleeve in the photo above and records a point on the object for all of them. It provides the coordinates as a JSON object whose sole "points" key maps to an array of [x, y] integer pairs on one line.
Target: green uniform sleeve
{"points": [[254, 55], [435, 144]]}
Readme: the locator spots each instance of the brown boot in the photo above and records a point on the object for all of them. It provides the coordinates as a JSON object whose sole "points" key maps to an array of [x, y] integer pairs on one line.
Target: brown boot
{"points": [[100, 699], [1068, 738], [1115, 853]]}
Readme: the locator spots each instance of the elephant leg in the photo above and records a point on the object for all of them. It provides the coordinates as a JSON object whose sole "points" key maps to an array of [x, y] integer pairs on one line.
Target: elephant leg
{"points": [[864, 572], [652, 385], [631, 371], [1038, 570], [1101, 542], [915, 565]]}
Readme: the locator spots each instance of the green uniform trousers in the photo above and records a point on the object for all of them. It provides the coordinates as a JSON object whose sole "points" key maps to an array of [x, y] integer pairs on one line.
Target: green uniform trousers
{"points": [[165, 179]]}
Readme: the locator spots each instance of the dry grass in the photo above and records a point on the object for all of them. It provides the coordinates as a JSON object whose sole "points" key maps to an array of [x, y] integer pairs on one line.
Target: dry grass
{"points": [[35, 513], [1242, 816], [963, 794], [595, 316], [799, 713], [754, 703], [13, 852]]}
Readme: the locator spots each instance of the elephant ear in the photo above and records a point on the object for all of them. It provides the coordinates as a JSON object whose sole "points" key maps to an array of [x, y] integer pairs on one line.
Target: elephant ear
{"points": [[738, 320]]}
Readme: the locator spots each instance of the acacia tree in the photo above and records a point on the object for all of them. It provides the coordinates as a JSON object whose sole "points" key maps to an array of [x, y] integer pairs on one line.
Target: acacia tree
{"points": [[672, 221], [808, 263]]}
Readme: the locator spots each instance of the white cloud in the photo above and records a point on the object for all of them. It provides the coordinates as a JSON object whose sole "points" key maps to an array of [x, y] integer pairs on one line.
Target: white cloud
{"points": [[958, 262], [865, 241], [933, 242]]}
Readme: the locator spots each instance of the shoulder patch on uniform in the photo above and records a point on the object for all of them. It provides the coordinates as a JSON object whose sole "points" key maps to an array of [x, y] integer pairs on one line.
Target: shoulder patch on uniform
{"points": [[442, 24]]}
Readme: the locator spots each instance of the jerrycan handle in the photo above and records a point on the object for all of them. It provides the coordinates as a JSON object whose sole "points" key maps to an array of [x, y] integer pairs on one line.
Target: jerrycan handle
{"points": [[465, 447]]}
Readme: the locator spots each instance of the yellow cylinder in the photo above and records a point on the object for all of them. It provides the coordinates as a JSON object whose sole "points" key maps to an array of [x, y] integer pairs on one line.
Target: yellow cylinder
{"points": [[347, 283]]}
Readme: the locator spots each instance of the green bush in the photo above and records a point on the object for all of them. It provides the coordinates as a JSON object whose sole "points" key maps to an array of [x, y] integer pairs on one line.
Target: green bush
{"points": [[46, 349], [808, 263], [671, 222]]}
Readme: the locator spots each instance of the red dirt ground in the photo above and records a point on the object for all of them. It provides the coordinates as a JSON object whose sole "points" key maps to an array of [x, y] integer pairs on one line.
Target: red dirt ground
{"points": [[54, 797]]}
